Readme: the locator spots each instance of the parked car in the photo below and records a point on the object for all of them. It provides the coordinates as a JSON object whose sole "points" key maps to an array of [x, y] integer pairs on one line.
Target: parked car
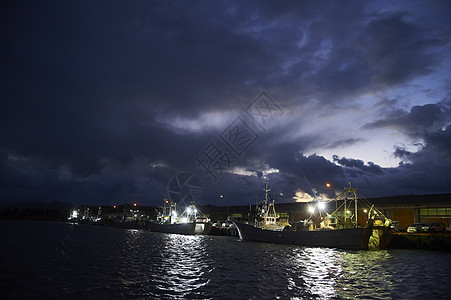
{"points": [[416, 228], [434, 227]]}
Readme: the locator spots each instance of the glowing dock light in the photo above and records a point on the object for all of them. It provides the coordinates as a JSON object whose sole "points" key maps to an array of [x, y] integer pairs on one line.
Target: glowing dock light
{"points": [[321, 205], [191, 210], [311, 209], [74, 214]]}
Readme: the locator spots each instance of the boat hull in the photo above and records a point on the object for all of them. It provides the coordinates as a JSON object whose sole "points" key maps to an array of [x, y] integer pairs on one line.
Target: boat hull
{"points": [[184, 228], [351, 238], [134, 224], [203, 228]]}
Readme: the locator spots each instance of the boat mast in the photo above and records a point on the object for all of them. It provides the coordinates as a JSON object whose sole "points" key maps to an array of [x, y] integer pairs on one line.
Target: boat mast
{"points": [[353, 191], [267, 190], [265, 206]]}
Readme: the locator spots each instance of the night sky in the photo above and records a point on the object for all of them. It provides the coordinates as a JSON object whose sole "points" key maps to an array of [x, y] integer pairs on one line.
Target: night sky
{"points": [[111, 102]]}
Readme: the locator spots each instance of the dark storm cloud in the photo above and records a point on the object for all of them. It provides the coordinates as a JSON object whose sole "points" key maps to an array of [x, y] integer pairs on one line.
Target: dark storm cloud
{"points": [[399, 50], [428, 127], [359, 165], [360, 56], [383, 52], [402, 153], [424, 121], [92, 92], [346, 142]]}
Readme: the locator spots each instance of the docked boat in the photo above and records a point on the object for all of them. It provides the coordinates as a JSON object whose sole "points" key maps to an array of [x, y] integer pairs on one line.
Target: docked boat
{"points": [[130, 219], [336, 230], [179, 228], [169, 220]]}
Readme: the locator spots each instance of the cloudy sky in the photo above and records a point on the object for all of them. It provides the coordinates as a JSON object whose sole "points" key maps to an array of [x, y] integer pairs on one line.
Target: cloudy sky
{"points": [[112, 102]]}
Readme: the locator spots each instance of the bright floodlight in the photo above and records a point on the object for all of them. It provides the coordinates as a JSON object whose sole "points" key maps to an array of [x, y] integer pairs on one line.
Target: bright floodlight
{"points": [[311, 209], [188, 210], [321, 205]]}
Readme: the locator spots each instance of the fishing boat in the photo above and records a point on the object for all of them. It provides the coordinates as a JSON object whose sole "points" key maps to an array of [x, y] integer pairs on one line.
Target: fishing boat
{"points": [[169, 220], [130, 219], [267, 218], [336, 230]]}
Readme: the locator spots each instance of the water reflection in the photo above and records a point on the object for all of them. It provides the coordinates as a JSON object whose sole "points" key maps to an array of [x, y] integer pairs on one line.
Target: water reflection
{"points": [[90, 262], [330, 273], [366, 274], [315, 270], [182, 265]]}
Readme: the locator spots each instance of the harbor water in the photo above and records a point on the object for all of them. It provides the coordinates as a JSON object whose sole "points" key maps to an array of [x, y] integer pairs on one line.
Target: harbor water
{"points": [[51, 260]]}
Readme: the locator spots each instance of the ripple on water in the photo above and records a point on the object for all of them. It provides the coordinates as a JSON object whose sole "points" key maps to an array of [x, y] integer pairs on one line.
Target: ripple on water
{"points": [[88, 262]]}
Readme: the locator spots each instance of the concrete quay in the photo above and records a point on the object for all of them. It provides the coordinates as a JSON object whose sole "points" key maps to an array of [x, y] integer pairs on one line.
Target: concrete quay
{"points": [[423, 241]]}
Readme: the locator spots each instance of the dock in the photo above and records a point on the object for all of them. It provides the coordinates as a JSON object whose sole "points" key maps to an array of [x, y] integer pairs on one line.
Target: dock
{"points": [[423, 241]]}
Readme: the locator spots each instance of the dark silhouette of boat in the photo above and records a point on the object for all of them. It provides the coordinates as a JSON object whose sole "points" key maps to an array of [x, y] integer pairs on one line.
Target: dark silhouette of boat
{"points": [[169, 220], [181, 228], [350, 238], [336, 230]]}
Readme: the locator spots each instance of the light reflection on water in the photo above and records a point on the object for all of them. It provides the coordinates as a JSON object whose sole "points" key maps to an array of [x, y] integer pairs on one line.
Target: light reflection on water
{"points": [[366, 274], [182, 265], [318, 270], [89, 262]]}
